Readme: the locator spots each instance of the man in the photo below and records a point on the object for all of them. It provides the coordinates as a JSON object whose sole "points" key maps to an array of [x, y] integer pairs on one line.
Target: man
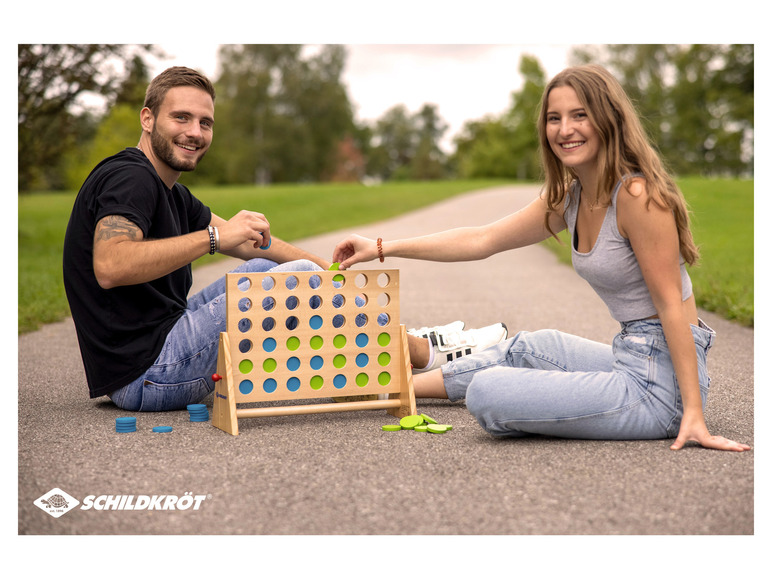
{"points": [[131, 238]]}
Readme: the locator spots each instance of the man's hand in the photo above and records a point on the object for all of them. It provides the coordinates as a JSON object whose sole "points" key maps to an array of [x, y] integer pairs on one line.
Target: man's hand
{"points": [[245, 227]]}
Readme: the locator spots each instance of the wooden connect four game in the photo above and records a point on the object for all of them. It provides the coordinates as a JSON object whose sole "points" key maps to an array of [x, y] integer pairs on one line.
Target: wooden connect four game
{"points": [[311, 335]]}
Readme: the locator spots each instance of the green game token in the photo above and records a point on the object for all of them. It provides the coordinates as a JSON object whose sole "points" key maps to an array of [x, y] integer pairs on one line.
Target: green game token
{"points": [[391, 427], [335, 266], [421, 428], [410, 422], [437, 428], [428, 419]]}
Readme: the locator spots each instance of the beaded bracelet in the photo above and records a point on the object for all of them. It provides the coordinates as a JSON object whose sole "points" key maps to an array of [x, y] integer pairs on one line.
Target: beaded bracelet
{"points": [[380, 249], [212, 240]]}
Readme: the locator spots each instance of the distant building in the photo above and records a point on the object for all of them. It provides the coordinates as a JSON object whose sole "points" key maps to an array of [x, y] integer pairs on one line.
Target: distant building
{"points": [[350, 163]]}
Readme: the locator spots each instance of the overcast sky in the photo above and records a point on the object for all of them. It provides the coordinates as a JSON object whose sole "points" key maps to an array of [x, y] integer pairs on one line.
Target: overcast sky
{"points": [[465, 81]]}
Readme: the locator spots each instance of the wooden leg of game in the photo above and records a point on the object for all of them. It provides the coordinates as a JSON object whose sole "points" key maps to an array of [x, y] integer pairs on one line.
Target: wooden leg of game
{"points": [[406, 395], [224, 407]]}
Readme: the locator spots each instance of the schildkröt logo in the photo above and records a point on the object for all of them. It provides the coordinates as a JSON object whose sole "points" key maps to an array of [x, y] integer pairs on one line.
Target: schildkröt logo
{"points": [[143, 502], [56, 502]]}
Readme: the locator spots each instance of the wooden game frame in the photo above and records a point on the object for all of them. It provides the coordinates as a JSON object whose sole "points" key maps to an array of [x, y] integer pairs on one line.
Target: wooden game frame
{"points": [[294, 336]]}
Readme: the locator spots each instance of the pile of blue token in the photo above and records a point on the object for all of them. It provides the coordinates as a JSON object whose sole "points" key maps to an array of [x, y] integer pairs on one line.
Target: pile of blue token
{"points": [[198, 412], [126, 424]]}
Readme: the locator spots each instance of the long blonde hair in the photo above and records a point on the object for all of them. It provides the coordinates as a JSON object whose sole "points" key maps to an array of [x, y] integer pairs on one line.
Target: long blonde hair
{"points": [[626, 149]]}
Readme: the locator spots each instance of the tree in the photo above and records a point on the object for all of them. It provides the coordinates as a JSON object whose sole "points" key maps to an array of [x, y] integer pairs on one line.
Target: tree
{"points": [[406, 146], [394, 138], [282, 113], [118, 129], [696, 101], [52, 79], [507, 145], [428, 161]]}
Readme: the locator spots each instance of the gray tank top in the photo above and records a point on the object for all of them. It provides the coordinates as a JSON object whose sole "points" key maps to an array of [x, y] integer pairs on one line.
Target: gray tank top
{"points": [[611, 267]]}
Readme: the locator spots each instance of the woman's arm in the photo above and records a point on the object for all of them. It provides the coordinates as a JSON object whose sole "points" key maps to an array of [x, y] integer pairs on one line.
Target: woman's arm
{"points": [[525, 227], [654, 238]]}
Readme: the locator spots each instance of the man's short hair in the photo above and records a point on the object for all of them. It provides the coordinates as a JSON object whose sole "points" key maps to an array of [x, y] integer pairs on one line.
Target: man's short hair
{"points": [[172, 78]]}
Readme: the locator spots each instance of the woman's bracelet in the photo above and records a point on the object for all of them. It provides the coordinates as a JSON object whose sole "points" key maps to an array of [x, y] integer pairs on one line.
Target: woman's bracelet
{"points": [[380, 249]]}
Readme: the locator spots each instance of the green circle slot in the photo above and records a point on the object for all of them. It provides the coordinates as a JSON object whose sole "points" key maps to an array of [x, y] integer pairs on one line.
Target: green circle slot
{"points": [[339, 361], [384, 358], [362, 380], [384, 340], [384, 378], [339, 341], [317, 382], [293, 343], [245, 366], [269, 365], [317, 342]]}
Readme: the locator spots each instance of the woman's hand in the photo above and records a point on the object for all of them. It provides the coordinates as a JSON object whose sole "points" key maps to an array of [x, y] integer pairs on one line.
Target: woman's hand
{"points": [[696, 431], [354, 249]]}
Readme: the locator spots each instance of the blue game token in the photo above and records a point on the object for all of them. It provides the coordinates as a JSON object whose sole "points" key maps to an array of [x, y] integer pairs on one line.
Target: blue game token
{"points": [[196, 406], [162, 429], [126, 424]]}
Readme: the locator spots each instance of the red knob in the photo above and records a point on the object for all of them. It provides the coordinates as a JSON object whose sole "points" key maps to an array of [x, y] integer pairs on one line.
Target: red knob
{"points": [[216, 377]]}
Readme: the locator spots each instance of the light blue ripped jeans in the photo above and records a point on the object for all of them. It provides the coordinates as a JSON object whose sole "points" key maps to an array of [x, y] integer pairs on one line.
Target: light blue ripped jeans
{"points": [[551, 383], [182, 373]]}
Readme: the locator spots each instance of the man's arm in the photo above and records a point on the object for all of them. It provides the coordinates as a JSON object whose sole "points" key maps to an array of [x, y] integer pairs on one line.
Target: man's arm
{"points": [[123, 257]]}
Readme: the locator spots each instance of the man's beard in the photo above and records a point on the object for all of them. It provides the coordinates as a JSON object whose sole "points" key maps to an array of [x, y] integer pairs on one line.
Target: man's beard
{"points": [[164, 150]]}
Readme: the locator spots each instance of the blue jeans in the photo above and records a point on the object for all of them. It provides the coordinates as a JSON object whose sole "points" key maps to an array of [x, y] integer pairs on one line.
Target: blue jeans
{"points": [[182, 373], [551, 383]]}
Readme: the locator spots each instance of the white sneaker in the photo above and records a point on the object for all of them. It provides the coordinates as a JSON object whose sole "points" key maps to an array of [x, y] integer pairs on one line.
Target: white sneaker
{"points": [[452, 344], [424, 332]]}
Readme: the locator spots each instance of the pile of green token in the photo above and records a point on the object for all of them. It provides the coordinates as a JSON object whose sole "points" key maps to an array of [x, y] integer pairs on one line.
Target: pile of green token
{"points": [[419, 423]]}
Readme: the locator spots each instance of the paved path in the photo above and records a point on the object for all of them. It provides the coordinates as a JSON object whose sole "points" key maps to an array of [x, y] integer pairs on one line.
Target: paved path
{"points": [[339, 474]]}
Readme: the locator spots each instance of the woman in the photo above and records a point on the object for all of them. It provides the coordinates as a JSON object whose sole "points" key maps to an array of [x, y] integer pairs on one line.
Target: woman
{"points": [[630, 237]]}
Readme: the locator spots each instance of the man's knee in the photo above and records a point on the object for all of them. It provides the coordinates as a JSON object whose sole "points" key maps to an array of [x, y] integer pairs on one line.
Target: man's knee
{"points": [[297, 265]]}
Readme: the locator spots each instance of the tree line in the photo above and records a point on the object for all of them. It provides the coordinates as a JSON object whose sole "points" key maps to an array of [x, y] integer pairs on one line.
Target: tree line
{"points": [[284, 115]]}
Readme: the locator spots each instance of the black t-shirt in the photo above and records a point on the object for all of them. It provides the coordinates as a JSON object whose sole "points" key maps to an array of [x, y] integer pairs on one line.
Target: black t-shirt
{"points": [[121, 330]]}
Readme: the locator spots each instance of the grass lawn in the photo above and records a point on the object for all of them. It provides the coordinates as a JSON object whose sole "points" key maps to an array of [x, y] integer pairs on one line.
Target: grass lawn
{"points": [[723, 227]]}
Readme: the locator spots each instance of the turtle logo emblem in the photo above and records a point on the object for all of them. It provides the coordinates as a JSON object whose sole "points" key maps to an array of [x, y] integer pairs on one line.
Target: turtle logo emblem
{"points": [[56, 502]]}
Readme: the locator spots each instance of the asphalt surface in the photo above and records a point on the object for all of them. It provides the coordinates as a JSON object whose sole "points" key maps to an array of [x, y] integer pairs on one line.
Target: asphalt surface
{"points": [[340, 474]]}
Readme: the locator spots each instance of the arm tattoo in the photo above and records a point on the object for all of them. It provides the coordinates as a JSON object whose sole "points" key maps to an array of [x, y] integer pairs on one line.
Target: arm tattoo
{"points": [[116, 226]]}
